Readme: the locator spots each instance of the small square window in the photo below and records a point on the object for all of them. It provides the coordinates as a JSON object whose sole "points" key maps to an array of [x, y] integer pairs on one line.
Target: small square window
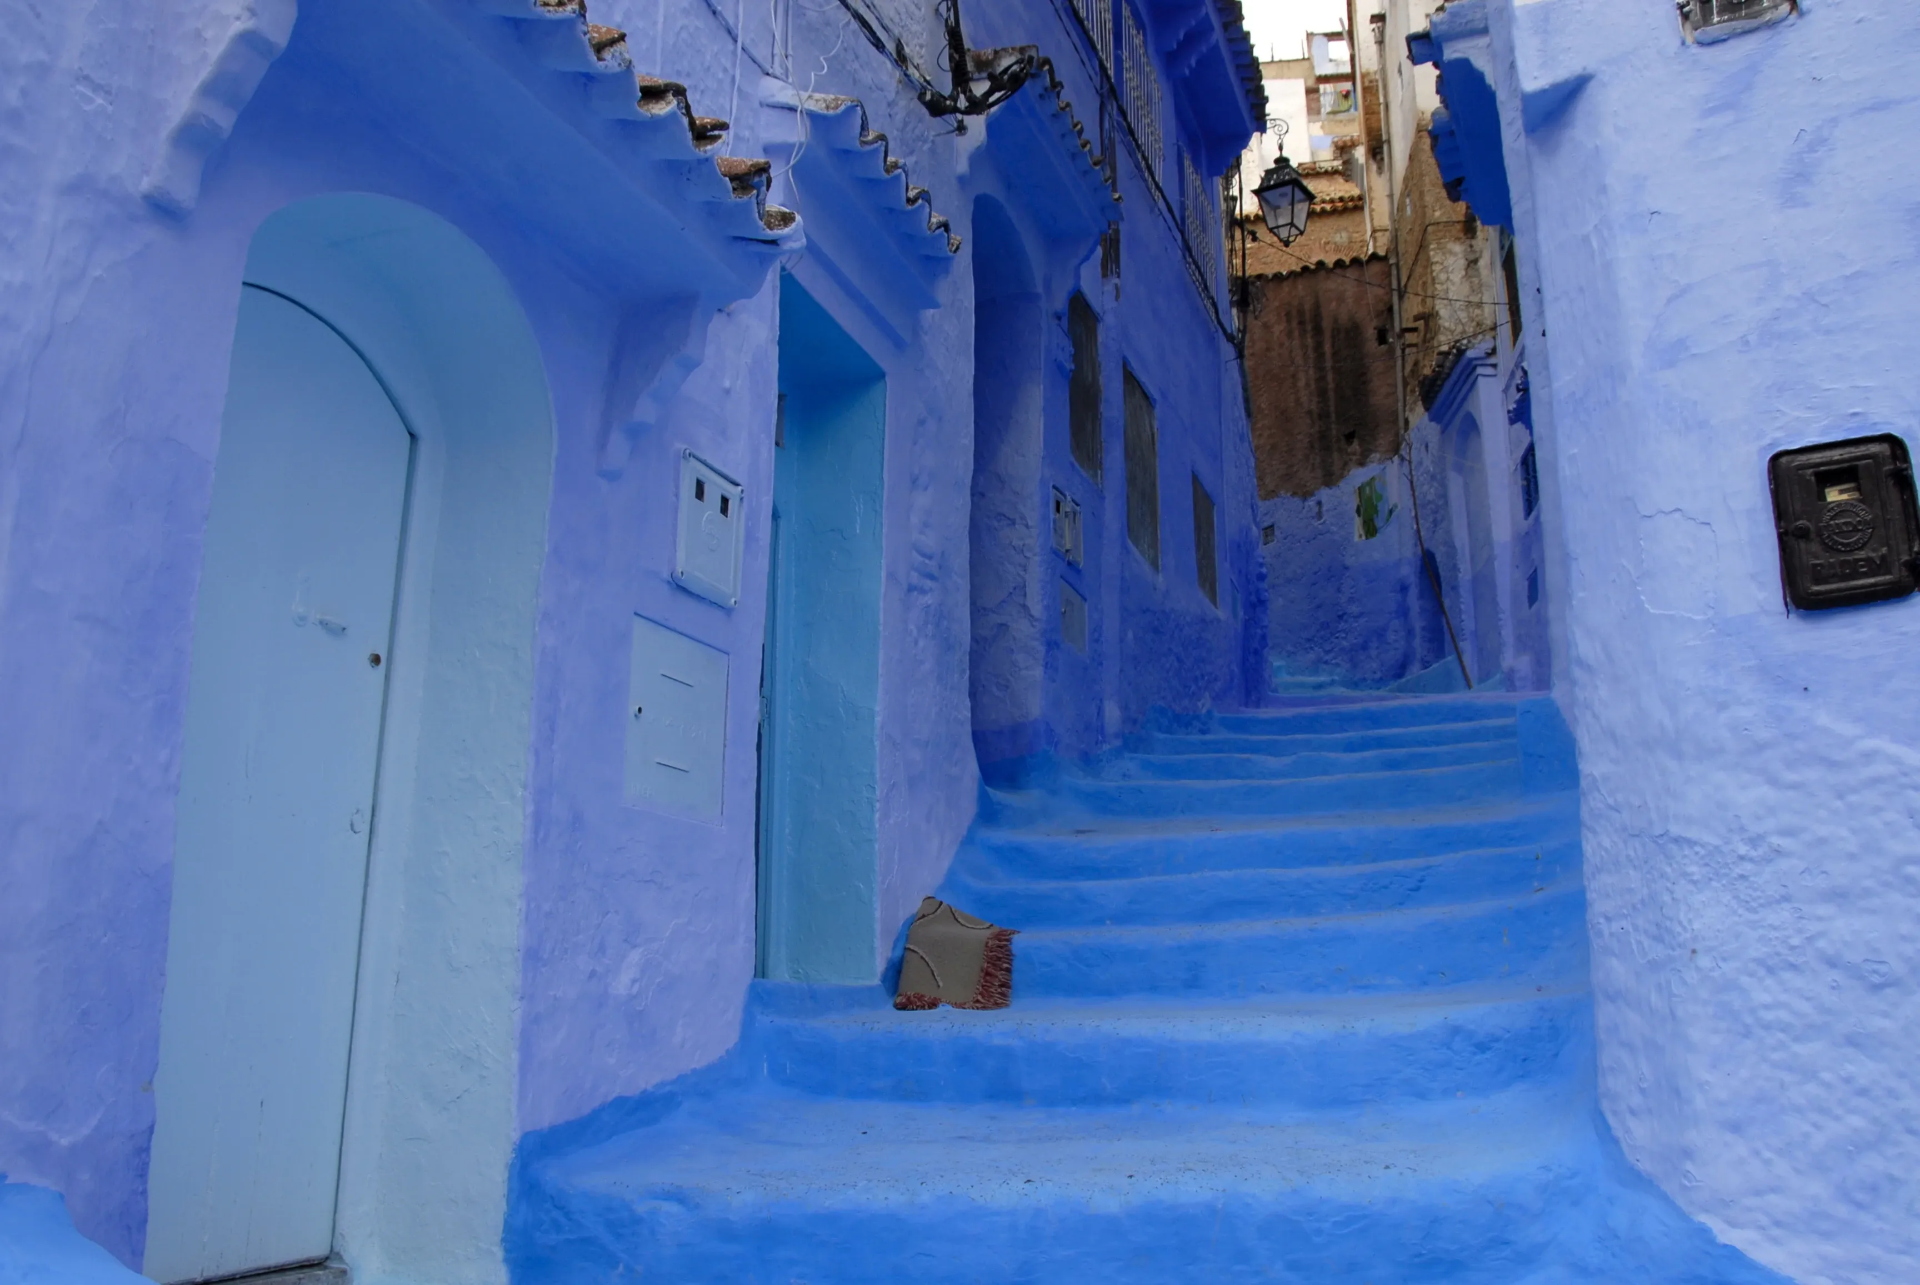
{"points": [[1206, 558], [1143, 472], [1529, 482]]}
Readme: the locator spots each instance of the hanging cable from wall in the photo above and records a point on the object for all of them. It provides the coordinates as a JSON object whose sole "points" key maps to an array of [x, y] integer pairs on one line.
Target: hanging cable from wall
{"points": [[982, 79], [978, 79]]}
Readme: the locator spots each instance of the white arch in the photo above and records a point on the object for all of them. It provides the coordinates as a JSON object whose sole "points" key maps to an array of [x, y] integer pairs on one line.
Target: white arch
{"points": [[430, 1103]]}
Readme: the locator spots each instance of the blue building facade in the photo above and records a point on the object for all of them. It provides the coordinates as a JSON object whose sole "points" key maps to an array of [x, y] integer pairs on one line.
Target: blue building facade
{"points": [[754, 461], [1693, 305]]}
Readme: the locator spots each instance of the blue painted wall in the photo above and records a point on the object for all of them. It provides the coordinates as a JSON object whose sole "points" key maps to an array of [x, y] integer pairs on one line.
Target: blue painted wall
{"points": [[1708, 296], [545, 947]]}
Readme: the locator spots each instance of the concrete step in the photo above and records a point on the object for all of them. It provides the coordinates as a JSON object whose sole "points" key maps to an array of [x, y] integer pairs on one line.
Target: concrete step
{"points": [[1541, 936], [1051, 847], [768, 1186], [1218, 742], [1303, 1054], [1217, 896], [1365, 715], [1198, 765], [1360, 791]]}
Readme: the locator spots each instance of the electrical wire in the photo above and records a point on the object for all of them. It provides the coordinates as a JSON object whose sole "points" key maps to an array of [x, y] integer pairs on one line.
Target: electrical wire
{"points": [[806, 121]]}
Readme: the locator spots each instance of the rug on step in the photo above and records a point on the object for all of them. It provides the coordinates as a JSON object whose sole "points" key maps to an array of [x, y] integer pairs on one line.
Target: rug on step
{"points": [[953, 958]]}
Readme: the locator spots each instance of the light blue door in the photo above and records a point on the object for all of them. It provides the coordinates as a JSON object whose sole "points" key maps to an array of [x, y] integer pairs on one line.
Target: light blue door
{"points": [[276, 802], [819, 824]]}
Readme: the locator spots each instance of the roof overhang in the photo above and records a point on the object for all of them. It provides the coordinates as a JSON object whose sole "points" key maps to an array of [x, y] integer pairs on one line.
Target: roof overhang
{"points": [[1212, 73]]}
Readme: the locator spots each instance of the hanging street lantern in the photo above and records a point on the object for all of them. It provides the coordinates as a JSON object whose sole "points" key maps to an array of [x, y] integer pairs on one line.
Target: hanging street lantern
{"points": [[1285, 200]]}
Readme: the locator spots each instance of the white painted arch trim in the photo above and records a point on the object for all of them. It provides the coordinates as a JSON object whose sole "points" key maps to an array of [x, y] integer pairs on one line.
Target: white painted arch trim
{"points": [[430, 1120]]}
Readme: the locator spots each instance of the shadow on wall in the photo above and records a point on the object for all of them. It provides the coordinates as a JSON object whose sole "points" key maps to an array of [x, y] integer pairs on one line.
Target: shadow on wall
{"points": [[1009, 643]]}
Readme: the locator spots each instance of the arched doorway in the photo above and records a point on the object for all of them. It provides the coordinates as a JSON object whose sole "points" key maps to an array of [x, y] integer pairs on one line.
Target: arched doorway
{"points": [[350, 818], [1473, 535], [1008, 646]]}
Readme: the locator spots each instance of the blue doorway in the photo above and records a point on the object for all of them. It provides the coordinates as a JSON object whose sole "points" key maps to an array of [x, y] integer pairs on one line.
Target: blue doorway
{"points": [[819, 795]]}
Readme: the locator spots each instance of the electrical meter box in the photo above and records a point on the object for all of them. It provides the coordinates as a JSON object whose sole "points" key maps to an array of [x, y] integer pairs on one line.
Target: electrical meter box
{"points": [[1847, 523], [706, 557], [1066, 527], [676, 724]]}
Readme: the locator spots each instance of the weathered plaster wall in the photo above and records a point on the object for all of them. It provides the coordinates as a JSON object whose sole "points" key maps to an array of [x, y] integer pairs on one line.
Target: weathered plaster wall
{"points": [[1355, 609], [122, 317], [1724, 262], [631, 944], [1320, 366]]}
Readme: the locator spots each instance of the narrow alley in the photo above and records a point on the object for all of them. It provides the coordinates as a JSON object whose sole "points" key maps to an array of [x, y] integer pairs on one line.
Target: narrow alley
{"points": [[967, 642], [1302, 995]]}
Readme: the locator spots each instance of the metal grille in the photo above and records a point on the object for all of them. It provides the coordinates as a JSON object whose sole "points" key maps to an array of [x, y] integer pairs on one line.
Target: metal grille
{"points": [[1198, 218], [1143, 94], [1097, 17], [1206, 557], [1143, 473], [1083, 387]]}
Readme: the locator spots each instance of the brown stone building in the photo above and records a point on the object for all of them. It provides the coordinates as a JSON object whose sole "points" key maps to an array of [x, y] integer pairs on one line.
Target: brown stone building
{"points": [[1319, 343]]}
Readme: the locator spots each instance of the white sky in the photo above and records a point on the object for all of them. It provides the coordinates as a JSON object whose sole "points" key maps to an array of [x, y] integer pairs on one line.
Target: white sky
{"points": [[1277, 25]]}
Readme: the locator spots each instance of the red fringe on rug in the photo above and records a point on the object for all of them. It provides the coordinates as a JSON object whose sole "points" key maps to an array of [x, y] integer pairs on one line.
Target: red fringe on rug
{"points": [[914, 1001], [996, 972]]}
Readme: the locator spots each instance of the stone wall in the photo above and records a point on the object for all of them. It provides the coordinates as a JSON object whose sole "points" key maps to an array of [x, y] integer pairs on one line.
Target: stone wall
{"points": [[1321, 376]]}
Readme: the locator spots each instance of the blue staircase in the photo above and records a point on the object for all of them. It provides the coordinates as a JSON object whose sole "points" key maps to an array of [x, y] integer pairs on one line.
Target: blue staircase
{"points": [[1299, 996]]}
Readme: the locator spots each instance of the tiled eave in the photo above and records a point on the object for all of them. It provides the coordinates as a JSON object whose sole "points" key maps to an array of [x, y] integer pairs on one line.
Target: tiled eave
{"points": [[1317, 265], [643, 124], [1070, 189], [842, 171]]}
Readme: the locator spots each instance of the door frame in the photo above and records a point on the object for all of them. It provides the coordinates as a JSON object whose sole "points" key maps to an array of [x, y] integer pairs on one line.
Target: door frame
{"points": [[445, 334]]}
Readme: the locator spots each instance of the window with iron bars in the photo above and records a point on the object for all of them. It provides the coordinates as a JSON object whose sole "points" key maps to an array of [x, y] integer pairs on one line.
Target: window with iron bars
{"points": [[1198, 219], [1144, 111], [1097, 17]]}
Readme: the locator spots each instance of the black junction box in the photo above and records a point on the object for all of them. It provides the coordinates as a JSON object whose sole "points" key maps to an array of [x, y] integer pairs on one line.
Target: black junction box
{"points": [[1845, 513]]}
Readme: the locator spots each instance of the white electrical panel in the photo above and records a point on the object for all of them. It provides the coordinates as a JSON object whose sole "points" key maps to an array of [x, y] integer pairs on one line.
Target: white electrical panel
{"points": [[706, 557], [676, 719], [1066, 527]]}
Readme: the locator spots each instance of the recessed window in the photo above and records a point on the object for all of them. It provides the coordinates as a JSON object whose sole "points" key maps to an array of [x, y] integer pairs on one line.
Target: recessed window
{"points": [[1083, 388], [1510, 269], [1206, 558], [1529, 482], [1143, 473], [1267, 534]]}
